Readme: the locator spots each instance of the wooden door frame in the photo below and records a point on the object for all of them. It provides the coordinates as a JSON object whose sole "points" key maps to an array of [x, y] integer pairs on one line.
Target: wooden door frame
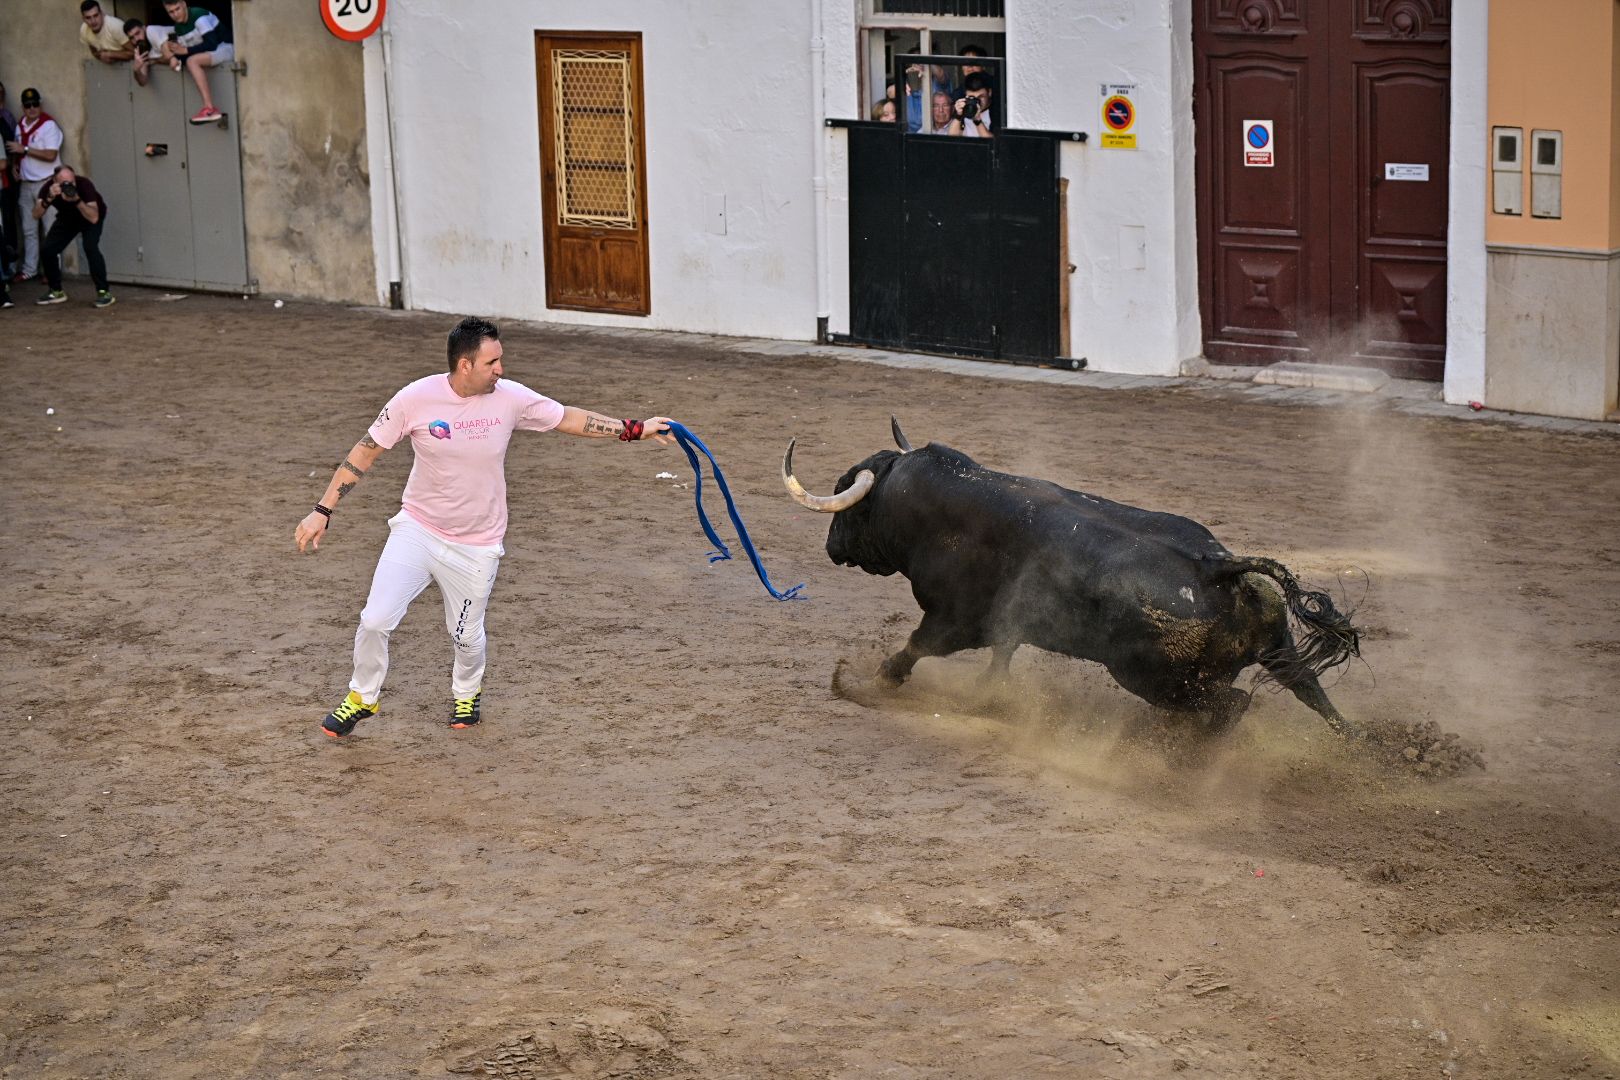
{"points": [[548, 164]]}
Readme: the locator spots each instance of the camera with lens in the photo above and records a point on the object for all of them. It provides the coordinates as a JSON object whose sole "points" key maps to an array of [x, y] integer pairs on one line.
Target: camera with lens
{"points": [[970, 107], [70, 190]]}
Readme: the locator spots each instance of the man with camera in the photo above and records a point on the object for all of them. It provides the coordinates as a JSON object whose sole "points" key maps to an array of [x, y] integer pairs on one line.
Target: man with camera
{"points": [[972, 109], [80, 212]]}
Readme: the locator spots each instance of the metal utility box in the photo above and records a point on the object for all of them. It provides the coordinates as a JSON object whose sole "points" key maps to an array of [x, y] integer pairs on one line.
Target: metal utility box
{"points": [[174, 189], [1507, 170]]}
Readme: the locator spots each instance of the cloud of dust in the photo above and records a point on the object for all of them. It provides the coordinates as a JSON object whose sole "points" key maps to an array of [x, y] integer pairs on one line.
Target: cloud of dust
{"points": [[1403, 525]]}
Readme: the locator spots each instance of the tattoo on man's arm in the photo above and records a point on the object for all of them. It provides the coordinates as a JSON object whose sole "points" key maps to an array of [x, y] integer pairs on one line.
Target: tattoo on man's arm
{"points": [[369, 443], [344, 489], [352, 467], [596, 425]]}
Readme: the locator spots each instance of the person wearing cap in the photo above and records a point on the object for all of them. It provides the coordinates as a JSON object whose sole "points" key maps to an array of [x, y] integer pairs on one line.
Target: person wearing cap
{"points": [[37, 146], [103, 35]]}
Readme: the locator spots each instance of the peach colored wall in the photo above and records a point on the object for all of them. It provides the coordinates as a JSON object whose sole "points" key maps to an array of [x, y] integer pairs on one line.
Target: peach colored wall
{"points": [[1614, 133], [1552, 65]]}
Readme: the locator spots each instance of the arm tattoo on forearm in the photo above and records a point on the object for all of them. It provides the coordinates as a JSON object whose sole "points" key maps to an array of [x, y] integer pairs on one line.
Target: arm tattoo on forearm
{"points": [[352, 467], [369, 443], [596, 425], [344, 489]]}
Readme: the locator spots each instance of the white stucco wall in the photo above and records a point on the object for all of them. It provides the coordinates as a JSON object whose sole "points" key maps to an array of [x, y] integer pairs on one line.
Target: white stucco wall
{"points": [[728, 112], [1466, 260], [1124, 317]]}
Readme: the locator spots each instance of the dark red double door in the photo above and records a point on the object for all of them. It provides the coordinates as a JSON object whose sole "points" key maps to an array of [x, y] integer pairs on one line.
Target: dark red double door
{"points": [[1336, 252]]}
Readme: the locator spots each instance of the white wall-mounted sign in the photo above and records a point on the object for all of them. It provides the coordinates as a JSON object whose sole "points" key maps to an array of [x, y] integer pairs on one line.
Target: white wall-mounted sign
{"points": [[1259, 149], [1395, 170], [352, 20]]}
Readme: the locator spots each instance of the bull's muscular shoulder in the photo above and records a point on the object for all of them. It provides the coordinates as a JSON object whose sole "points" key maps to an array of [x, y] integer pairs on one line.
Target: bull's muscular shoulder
{"points": [[949, 456]]}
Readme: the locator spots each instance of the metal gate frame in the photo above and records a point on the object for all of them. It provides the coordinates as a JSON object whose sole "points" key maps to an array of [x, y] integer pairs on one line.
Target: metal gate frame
{"points": [[176, 212], [885, 310]]}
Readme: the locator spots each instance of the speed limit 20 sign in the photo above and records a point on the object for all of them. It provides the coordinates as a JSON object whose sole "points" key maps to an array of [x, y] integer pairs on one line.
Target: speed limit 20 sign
{"points": [[353, 20]]}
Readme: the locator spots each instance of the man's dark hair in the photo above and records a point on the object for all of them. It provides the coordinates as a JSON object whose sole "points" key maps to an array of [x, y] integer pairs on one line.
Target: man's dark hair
{"points": [[89, 6], [132, 24], [973, 50], [977, 81], [468, 336]]}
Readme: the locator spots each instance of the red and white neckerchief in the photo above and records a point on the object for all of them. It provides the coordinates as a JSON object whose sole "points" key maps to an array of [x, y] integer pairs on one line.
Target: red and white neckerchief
{"points": [[24, 132]]}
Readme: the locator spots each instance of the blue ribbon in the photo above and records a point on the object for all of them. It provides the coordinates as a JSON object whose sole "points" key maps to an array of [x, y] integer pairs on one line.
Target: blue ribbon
{"points": [[691, 444]]}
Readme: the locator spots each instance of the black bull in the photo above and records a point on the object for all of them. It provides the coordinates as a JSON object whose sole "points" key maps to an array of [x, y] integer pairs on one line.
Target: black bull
{"points": [[1000, 561]]}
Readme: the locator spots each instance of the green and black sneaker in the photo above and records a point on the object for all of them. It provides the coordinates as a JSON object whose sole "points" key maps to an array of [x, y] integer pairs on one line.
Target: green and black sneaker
{"points": [[105, 299], [55, 296], [465, 712], [341, 720]]}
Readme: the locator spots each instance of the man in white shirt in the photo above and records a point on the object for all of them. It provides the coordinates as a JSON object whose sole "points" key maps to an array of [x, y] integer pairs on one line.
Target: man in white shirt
{"points": [[39, 144], [103, 35]]}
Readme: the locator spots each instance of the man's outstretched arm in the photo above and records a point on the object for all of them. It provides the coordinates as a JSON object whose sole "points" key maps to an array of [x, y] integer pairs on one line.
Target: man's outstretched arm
{"points": [[348, 474], [596, 426]]}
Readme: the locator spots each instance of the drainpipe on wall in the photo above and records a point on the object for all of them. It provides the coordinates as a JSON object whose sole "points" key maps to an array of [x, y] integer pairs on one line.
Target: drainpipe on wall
{"points": [[818, 81], [396, 245]]}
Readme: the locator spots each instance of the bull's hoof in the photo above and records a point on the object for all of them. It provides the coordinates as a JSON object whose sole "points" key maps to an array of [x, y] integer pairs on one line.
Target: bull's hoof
{"points": [[867, 692]]}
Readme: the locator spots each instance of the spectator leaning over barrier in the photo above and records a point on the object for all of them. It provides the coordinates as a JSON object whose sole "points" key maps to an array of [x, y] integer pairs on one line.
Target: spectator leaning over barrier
{"points": [[199, 42], [80, 212], [104, 36], [37, 145], [147, 43]]}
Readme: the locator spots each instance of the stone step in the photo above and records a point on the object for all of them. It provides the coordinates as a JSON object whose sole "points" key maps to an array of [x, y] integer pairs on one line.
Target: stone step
{"points": [[1324, 377]]}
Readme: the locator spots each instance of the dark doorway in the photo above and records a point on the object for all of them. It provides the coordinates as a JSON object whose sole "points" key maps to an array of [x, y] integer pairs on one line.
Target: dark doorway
{"points": [[1336, 252], [954, 244], [152, 13]]}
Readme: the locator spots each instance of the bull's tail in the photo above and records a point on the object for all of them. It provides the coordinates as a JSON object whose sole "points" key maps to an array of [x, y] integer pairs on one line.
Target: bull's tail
{"points": [[1324, 636]]}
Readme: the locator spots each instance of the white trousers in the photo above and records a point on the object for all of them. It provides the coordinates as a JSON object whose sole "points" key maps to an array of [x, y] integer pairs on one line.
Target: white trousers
{"points": [[465, 574], [28, 251]]}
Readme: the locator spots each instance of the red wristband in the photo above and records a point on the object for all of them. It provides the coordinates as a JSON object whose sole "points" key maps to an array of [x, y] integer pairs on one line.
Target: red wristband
{"points": [[632, 430]]}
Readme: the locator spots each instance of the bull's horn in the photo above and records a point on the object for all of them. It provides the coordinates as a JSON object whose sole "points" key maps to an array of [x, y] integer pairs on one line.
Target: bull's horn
{"points": [[824, 504], [899, 436]]}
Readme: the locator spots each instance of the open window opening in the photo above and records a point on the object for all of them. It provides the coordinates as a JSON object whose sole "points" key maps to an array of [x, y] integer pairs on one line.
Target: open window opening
{"points": [[890, 29]]}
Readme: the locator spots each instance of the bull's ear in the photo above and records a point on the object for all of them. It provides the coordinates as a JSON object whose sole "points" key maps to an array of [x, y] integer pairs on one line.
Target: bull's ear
{"points": [[900, 439]]}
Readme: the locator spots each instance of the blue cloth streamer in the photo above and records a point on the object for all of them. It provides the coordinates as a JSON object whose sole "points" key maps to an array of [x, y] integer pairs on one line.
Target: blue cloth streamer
{"points": [[692, 444]]}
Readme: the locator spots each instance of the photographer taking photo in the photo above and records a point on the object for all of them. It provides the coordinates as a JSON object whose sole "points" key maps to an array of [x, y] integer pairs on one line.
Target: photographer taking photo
{"points": [[80, 212], [972, 109]]}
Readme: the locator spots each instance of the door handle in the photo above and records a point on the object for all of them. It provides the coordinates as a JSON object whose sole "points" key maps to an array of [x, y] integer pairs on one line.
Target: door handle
{"points": [[157, 149]]}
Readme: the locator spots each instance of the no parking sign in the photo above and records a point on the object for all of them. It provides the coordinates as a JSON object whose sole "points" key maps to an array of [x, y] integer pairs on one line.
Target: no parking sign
{"points": [[352, 20], [1119, 116], [1258, 148]]}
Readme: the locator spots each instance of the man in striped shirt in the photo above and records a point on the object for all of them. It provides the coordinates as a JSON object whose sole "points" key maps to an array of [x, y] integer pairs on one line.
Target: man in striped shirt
{"points": [[198, 43]]}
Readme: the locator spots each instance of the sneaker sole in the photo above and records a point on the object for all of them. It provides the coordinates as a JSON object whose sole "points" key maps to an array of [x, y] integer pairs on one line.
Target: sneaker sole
{"points": [[463, 727]]}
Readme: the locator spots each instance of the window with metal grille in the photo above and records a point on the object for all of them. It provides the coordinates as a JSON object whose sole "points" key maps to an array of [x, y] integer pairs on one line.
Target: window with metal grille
{"points": [[595, 138], [971, 9], [891, 28]]}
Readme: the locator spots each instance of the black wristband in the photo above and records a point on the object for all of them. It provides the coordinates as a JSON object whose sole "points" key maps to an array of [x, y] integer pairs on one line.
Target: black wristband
{"points": [[324, 511]]}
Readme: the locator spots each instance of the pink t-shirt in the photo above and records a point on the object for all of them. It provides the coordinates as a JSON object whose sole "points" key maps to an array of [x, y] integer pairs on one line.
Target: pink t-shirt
{"points": [[457, 488]]}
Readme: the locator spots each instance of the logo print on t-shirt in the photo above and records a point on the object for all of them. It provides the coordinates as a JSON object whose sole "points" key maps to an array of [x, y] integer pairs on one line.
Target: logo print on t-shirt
{"points": [[439, 429]]}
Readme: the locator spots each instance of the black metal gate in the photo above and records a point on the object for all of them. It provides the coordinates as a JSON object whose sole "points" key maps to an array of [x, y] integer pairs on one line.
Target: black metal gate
{"points": [[954, 242]]}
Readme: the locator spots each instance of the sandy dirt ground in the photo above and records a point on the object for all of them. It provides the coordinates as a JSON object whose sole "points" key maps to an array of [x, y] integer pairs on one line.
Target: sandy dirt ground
{"points": [[671, 850]]}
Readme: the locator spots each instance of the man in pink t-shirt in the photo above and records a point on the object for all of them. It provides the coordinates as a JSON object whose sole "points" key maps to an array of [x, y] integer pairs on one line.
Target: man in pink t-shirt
{"points": [[453, 517]]}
